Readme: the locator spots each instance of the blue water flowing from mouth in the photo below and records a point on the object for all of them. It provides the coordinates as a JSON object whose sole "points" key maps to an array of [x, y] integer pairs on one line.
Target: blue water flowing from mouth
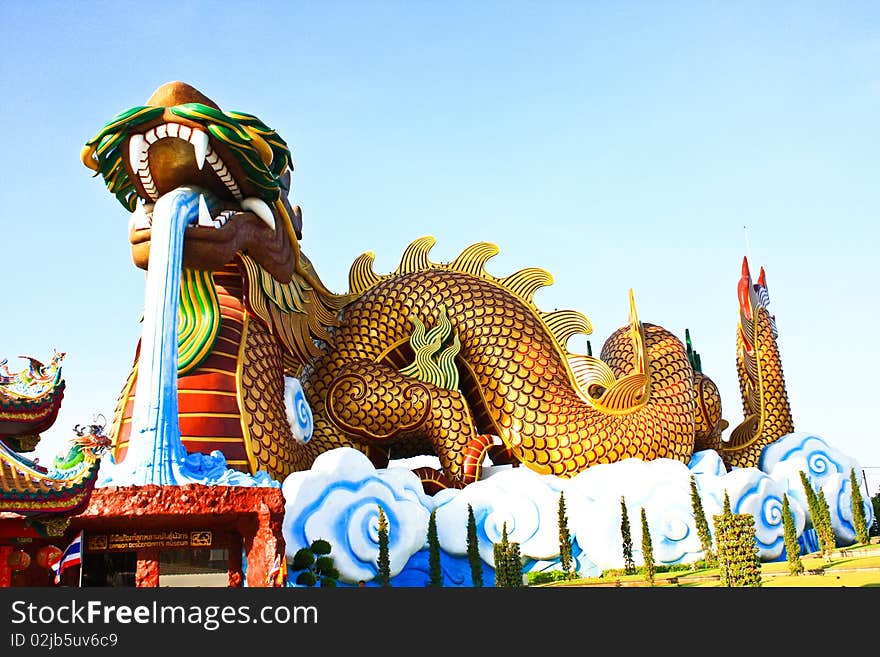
{"points": [[155, 431], [156, 454]]}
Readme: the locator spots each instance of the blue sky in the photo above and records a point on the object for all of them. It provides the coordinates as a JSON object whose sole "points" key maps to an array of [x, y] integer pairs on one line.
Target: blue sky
{"points": [[616, 144]]}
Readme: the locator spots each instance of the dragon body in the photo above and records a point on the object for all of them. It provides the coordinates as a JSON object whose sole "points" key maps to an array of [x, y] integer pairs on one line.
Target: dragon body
{"points": [[233, 401], [522, 396], [439, 359]]}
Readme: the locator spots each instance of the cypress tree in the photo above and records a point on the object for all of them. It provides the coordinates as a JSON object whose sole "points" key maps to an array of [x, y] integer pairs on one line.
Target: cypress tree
{"points": [[384, 561], [628, 563], [647, 551], [815, 512], [473, 550], [508, 563], [701, 523], [860, 523], [827, 529], [436, 572], [792, 548], [749, 568], [723, 540], [514, 566], [875, 526], [565, 546], [501, 552]]}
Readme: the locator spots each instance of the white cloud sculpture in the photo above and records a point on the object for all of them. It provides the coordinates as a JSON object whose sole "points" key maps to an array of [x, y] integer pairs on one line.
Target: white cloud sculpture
{"points": [[337, 500], [827, 468]]}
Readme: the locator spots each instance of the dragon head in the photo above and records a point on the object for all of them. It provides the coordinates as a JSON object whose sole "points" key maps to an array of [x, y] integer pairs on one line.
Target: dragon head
{"points": [[91, 439], [87, 446], [181, 137], [753, 299]]}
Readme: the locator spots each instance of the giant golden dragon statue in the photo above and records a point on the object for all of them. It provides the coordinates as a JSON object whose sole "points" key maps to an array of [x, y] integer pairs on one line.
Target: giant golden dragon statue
{"points": [[442, 359]]}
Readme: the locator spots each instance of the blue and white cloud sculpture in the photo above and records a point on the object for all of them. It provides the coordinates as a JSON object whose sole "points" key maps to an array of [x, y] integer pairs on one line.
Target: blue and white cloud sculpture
{"points": [[337, 500]]}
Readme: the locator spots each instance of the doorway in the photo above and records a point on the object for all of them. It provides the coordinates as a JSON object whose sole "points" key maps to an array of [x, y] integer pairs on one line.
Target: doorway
{"points": [[109, 569]]}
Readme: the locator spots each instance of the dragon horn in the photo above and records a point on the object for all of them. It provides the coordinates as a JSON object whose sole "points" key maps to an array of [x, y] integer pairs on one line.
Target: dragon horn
{"points": [[745, 283], [743, 292], [762, 279], [633, 314], [636, 334]]}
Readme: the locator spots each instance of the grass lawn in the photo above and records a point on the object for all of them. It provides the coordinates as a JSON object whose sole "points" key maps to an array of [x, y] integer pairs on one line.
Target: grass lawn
{"points": [[854, 566]]}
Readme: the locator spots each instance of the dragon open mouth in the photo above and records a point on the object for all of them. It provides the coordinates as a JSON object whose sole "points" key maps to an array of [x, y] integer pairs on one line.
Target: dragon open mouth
{"points": [[179, 147], [182, 138]]}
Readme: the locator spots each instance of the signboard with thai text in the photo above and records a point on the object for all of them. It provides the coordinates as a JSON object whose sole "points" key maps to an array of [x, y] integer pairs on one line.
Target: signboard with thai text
{"points": [[158, 539]]}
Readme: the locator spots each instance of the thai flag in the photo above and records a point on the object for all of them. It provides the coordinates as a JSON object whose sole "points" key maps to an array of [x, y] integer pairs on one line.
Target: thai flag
{"points": [[274, 572], [72, 557]]}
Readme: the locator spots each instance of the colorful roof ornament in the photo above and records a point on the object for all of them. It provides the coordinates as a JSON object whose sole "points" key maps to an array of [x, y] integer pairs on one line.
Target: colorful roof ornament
{"points": [[29, 404], [27, 488], [29, 401]]}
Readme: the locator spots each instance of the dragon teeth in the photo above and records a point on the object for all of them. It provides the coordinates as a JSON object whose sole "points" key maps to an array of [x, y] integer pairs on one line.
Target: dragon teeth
{"points": [[199, 141], [137, 150], [142, 217], [223, 173], [139, 145], [222, 218], [205, 218], [137, 158], [258, 207]]}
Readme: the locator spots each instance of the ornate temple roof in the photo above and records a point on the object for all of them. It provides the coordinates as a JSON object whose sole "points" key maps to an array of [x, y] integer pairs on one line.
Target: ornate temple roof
{"points": [[29, 401], [28, 488], [29, 404]]}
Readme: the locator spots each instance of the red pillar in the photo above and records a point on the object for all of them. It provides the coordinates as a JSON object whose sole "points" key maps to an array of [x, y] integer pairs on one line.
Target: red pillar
{"points": [[5, 571], [236, 574], [147, 574], [263, 546]]}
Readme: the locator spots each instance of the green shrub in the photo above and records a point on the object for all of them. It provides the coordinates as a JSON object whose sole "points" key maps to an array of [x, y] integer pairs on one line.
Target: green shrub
{"points": [[303, 559], [659, 568], [738, 560], [547, 576], [315, 569], [306, 578]]}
